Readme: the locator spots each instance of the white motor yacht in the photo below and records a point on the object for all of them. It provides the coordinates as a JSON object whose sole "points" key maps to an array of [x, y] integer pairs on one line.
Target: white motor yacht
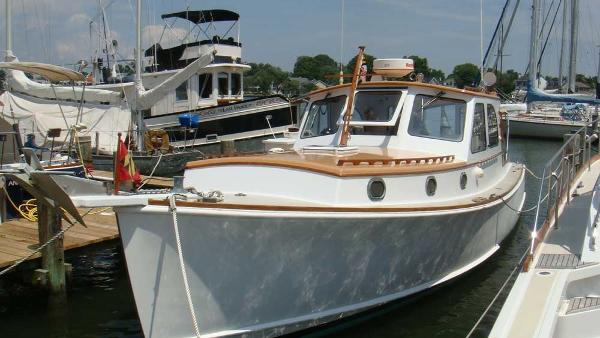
{"points": [[420, 193]]}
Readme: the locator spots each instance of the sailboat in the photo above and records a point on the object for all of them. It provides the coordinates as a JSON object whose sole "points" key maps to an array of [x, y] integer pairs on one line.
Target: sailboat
{"points": [[575, 113]]}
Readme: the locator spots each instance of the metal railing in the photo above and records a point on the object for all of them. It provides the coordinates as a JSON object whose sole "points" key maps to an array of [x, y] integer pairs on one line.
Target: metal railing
{"points": [[559, 174]]}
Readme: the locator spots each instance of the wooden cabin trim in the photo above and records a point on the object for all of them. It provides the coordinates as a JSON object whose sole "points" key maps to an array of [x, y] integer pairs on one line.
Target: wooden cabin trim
{"points": [[374, 168], [390, 84], [261, 207]]}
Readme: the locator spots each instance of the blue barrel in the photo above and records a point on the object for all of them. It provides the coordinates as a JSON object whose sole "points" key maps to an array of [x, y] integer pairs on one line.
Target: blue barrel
{"points": [[189, 120]]}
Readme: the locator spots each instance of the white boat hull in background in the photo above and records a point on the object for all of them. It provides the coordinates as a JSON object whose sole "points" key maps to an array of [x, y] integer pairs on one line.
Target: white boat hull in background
{"points": [[269, 273], [542, 128]]}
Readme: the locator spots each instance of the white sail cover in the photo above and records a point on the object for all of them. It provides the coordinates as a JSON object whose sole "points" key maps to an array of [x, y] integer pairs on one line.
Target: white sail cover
{"points": [[18, 82], [36, 115]]}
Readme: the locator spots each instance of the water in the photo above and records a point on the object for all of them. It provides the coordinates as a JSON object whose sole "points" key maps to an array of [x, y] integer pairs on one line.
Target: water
{"points": [[100, 302]]}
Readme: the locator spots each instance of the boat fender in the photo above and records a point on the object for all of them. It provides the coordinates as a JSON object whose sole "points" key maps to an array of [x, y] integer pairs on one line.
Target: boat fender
{"points": [[478, 172]]}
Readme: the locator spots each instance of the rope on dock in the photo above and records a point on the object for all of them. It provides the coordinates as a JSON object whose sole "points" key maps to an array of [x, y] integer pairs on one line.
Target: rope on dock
{"points": [[487, 309], [188, 293], [152, 172]]}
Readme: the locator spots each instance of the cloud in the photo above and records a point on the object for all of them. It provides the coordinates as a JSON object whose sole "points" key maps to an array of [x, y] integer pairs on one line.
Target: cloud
{"points": [[79, 19]]}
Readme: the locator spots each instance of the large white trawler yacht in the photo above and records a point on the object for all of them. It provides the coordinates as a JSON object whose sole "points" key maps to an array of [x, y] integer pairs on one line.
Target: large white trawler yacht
{"points": [[391, 188]]}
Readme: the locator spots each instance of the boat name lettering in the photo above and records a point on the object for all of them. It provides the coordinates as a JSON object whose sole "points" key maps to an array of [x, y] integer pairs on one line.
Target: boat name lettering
{"points": [[241, 106]]}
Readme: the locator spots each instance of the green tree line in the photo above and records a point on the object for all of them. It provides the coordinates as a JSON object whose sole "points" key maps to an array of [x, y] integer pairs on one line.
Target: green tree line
{"points": [[264, 78]]}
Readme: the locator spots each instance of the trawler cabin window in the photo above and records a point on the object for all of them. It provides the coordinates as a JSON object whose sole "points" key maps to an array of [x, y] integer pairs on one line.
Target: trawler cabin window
{"points": [[375, 106], [478, 138], [223, 83], [205, 85], [492, 124], [322, 117], [181, 93], [438, 118], [236, 84]]}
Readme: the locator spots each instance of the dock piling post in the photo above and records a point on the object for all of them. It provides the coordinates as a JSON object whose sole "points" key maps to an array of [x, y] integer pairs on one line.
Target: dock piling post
{"points": [[227, 147], [53, 256]]}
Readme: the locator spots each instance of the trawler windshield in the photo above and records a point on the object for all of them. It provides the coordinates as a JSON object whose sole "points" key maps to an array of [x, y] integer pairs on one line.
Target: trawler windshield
{"points": [[322, 117], [437, 118], [375, 106]]}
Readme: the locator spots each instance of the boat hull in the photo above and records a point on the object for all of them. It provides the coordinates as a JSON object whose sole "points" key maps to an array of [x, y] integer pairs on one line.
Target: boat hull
{"points": [[256, 273], [539, 128], [170, 164]]}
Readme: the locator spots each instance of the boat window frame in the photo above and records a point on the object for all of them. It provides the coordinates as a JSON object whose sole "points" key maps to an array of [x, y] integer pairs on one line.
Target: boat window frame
{"points": [[337, 123], [485, 138], [187, 94], [439, 97], [487, 122], [205, 86], [227, 86], [395, 116]]}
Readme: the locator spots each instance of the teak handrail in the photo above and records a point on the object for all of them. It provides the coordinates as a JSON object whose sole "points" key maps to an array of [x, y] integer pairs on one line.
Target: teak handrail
{"points": [[401, 161], [350, 107]]}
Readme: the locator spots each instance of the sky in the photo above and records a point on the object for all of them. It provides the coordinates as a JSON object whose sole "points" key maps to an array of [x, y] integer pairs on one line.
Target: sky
{"points": [[278, 31]]}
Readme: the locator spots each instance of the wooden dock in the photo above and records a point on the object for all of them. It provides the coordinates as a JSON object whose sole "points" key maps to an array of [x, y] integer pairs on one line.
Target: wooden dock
{"points": [[19, 237]]}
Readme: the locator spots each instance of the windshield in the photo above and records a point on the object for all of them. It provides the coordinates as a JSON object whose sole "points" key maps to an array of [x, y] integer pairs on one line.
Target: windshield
{"points": [[372, 106], [323, 116], [442, 118]]}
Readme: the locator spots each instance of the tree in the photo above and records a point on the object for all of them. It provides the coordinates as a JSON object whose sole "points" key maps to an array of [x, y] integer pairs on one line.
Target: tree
{"points": [[465, 74], [320, 67], [366, 58], [263, 77], [506, 82]]}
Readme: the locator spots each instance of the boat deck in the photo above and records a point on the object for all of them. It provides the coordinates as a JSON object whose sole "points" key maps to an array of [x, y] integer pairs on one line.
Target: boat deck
{"points": [[544, 300], [19, 237]]}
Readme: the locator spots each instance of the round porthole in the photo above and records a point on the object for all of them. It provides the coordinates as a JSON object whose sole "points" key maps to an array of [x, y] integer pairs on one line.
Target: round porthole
{"points": [[376, 189], [430, 186], [463, 180]]}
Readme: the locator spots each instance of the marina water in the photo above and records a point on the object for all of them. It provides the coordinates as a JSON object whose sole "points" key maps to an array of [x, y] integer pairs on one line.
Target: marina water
{"points": [[100, 301]]}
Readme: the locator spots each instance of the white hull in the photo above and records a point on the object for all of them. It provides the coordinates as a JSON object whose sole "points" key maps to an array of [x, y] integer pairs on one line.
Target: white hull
{"points": [[275, 272], [540, 128]]}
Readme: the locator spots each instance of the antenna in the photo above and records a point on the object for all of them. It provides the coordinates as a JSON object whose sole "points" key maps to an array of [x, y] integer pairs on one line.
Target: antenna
{"points": [[342, 44]]}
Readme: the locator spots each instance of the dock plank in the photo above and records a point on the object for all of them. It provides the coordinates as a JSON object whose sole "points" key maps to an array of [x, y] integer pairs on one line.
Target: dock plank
{"points": [[19, 237]]}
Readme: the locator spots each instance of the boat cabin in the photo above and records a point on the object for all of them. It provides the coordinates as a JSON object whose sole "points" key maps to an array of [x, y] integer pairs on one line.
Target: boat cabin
{"points": [[219, 83], [405, 116]]}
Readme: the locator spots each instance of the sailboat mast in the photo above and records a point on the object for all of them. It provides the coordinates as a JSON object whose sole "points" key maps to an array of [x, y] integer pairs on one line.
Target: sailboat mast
{"points": [[139, 87], [598, 77], [533, 44], [573, 45], [561, 62], [9, 45]]}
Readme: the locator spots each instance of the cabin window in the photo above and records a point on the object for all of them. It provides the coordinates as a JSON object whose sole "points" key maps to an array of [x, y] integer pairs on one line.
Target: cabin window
{"points": [[236, 84], [492, 126], [223, 83], [375, 106], [478, 138], [206, 85], [322, 117], [438, 118], [181, 92]]}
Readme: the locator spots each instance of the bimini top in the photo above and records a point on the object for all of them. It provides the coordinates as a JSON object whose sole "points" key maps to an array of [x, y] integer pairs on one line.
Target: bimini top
{"points": [[50, 72], [211, 15]]}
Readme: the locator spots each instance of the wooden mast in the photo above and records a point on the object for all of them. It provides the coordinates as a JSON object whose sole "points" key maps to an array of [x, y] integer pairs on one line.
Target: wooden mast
{"points": [[350, 107]]}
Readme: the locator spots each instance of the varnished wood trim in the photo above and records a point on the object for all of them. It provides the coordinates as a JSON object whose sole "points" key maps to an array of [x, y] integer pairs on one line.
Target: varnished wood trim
{"points": [[260, 207], [339, 171], [400, 161], [63, 166], [371, 84]]}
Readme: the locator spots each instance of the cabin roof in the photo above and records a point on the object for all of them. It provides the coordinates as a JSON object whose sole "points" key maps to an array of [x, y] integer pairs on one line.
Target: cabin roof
{"points": [[371, 84], [210, 15]]}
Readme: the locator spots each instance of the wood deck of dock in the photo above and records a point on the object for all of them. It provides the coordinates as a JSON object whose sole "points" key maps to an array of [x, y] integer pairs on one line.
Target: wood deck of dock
{"points": [[19, 237]]}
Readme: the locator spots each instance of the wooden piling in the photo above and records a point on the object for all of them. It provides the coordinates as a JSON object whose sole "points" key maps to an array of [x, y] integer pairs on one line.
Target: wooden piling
{"points": [[228, 147], [53, 256]]}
